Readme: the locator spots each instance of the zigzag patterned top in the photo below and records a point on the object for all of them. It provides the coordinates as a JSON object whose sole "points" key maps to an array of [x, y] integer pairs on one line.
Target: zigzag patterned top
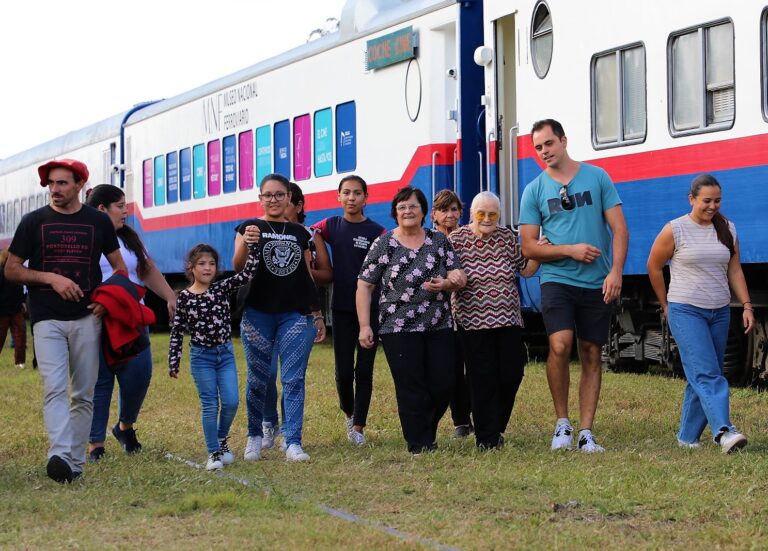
{"points": [[490, 298]]}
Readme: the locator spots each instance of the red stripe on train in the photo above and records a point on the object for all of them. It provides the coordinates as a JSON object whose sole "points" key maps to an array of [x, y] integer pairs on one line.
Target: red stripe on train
{"points": [[677, 161], [377, 193]]}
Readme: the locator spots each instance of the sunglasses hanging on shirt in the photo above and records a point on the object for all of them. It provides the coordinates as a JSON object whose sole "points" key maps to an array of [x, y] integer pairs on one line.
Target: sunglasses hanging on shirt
{"points": [[565, 201]]}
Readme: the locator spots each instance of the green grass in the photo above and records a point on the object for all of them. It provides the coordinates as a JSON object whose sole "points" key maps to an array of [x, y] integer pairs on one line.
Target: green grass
{"points": [[644, 492]]}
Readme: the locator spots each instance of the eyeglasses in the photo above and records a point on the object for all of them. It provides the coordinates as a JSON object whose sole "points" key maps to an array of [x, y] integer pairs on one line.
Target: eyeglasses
{"points": [[565, 201], [267, 197], [412, 206], [482, 215]]}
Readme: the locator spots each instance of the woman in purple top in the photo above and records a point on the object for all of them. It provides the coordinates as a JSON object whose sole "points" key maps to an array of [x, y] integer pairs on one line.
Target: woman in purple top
{"points": [[350, 237], [417, 269]]}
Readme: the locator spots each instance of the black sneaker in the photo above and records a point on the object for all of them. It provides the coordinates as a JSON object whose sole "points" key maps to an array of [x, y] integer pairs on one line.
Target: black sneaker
{"points": [[59, 470], [95, 454], [462, 431], [127, 439]]}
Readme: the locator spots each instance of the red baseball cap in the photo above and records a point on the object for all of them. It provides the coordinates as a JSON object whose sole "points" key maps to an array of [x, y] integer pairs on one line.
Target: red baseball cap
{"points": [[75, 166]]}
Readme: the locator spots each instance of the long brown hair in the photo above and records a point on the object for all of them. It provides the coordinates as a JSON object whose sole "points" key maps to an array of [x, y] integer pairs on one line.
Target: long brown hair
{"points": [[720, 222]]}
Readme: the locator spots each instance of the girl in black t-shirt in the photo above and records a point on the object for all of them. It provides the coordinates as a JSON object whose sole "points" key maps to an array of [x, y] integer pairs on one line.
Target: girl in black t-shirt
{"points": [[282, 311]]}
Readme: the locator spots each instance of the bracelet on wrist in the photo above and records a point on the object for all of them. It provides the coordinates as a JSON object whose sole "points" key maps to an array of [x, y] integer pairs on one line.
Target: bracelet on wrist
{"points": [[318, 318], [748, 309], [747, 302]]}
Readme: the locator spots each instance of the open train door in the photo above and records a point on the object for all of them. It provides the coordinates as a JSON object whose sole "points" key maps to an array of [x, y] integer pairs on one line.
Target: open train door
{"points": [[499, 56]]}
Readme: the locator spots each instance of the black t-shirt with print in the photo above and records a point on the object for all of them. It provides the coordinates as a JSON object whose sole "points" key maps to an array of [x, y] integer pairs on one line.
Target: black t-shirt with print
{"points": [[282, 282], [66, 244]]}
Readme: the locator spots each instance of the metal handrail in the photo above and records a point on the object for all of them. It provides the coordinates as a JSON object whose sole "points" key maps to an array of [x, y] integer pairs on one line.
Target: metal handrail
{"points": [[435, 155], [456, 170], [491, 136], [513, 175]]}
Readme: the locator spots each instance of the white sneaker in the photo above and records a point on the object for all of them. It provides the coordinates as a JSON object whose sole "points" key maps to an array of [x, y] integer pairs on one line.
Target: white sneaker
{"points": [[20, 366], [227, 457], [732, 440], [357, 438], [214, 462], [253, 448], [563, 437], [295, 453], [587, 443], [350, 424], [268, 441], [692, 445]]}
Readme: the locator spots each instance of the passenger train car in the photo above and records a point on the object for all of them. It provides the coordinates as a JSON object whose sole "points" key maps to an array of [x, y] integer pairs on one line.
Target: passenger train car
{"points": [[442, 94]]}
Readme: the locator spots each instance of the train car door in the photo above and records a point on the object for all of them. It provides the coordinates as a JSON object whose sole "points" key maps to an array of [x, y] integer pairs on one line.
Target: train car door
{"points": [[499, 56]]}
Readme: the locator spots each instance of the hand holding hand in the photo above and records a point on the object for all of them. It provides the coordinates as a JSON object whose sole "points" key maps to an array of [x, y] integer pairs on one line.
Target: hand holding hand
{"points": [[251, 235]]}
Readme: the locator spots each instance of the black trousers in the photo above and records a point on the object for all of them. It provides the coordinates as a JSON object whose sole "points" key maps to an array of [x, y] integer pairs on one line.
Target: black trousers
{"points": [[354, 378], [495, 363], [461, 404], [422, 369]]}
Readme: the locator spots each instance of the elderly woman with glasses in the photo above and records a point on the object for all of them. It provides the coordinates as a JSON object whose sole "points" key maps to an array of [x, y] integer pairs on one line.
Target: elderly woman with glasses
{"points": [[487, 312], [417, 270]]}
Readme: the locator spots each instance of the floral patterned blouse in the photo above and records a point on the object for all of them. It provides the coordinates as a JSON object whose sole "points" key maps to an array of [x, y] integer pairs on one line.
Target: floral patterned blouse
{"points": [[206, 316], [405, 306]]}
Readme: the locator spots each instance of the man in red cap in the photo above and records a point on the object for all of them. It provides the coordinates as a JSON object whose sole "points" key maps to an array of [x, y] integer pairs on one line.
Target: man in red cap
{"points": [[63, 243]]}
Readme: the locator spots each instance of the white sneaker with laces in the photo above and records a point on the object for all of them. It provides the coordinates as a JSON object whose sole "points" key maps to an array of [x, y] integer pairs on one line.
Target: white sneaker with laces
{"points": [[357, 438], [253, 448], [587, 443], [268, 441], [296, 453], [227, 457], [350, 424], [563, 437], [214, 462], [732, 440]]}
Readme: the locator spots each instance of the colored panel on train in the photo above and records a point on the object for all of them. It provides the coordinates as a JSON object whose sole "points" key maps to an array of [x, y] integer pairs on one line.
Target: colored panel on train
{"points": [[263, 152], [172, 176], [230, 164], [214, 167], [283, 148], [302, 148], [246, 160], [185, 169], [346, 137], [390, 49], [149, 183], [323, 142], [160, 180], [198, 164]]}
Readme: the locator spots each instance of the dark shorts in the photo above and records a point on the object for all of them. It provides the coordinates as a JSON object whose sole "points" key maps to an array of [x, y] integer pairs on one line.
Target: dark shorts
{"points": [[566, 307]]}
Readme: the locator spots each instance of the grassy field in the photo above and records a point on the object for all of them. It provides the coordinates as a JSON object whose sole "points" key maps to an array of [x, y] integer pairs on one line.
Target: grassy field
{"points": [[643, 493]]}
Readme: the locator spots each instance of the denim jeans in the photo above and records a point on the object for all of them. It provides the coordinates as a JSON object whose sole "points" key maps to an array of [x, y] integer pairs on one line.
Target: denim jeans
{"points": [[292, 334], [701, 335], [133, 380], [270, 400], [215, 375]]}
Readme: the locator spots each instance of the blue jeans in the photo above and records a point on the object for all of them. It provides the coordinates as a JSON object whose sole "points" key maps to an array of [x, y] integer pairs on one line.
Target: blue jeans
{"points": [[133, 379], [292, 334], [215, 375], [270, 400], [701, 335]]}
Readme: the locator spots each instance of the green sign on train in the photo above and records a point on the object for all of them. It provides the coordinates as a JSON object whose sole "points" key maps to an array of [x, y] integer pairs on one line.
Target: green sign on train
{"points": [[390, 48]]}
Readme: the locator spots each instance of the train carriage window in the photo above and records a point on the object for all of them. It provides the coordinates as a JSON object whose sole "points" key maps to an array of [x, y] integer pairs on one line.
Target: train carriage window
{"points": [[541, 39], [618, 97], [159, 180], [172, 176], [42, 200], [23, 206], [245, 148], [198, 171], [230, 163], [764, 60], [701, 79], [283, 148], [346, 137], [302, 147], [185, 174], [323, 142], [2, 220], [263, 152], [214, 167], [149, 183]]}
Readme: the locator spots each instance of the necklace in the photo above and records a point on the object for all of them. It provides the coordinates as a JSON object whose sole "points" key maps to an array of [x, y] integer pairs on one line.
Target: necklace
{"points": [[273, 229]]}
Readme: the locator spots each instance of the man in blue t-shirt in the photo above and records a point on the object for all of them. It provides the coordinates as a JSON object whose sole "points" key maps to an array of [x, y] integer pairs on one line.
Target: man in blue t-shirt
{"points": [[573, 205], [62, 243]]}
